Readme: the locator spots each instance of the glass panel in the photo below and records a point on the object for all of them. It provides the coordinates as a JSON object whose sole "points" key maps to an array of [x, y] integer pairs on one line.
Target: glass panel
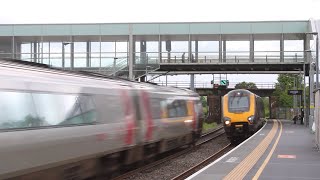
{"points": [[17, 111], [72, 109], [177, 108], [22, 110], [238, 104]]}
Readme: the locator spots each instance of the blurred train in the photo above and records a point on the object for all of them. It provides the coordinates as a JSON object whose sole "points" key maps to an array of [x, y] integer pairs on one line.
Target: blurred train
{"points": [[242, 114], [57, 124]]}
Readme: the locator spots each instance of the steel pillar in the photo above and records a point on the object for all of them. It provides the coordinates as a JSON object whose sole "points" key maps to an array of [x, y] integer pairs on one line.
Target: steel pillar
{"points": [[307, 57], [282, 48], [192, 82], [72, 53], [220, 48], [88, 53], [160, 50], [251, 48], [13, 52], [35, 52], [63, 55], [189, 49], [224, 50], [131, 53], [196, 51]]}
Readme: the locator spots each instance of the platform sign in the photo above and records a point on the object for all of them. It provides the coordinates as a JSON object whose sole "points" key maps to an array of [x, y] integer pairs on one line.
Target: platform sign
{"points": [[294, 92], [224, 82]]}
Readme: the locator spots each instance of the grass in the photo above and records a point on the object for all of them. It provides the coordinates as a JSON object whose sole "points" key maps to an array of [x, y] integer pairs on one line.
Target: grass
{"points": [[207, 127]]}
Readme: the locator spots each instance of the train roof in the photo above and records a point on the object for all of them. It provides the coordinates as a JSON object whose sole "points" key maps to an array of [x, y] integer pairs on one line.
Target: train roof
{"points": [[241, 90], [38, 67]]}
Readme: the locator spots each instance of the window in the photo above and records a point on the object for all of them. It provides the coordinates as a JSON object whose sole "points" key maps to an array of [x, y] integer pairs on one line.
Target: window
{"points": [[24, 110], [238, 103], [177, 108]]}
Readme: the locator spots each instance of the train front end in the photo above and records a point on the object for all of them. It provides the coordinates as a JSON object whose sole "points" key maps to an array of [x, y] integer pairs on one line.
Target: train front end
{"points": [[238, 114]]}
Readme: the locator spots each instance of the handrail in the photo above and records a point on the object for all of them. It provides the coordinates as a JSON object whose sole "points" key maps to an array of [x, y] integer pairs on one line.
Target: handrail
{"points": [[186, 84]]}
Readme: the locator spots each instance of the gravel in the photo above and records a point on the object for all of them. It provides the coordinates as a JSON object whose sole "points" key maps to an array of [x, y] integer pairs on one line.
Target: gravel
{"points": [[178, 165]]}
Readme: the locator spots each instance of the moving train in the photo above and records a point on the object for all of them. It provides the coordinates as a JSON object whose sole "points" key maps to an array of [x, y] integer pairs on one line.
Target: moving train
{"points": [[57, 124], [242, 114]]}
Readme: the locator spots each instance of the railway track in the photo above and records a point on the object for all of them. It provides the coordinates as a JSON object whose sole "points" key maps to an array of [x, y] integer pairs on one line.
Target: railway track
{"points": [[204, 139], [205, 162]]}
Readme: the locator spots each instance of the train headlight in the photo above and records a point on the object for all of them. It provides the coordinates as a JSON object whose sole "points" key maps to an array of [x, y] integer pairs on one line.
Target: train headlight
{"points": [[250, 119], [227, 121]]}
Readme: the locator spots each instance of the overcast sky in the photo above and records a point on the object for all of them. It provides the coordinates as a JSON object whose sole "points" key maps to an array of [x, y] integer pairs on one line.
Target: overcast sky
{"points": [[98, 11]]}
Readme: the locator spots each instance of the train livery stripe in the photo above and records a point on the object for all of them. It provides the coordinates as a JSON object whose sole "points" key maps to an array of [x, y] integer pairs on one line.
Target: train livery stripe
{"points": [[129, 117], [147, 115]]}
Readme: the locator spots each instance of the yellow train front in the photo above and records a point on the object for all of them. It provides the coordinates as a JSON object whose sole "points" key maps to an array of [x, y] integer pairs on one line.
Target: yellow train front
{"points": [[242, 113]]}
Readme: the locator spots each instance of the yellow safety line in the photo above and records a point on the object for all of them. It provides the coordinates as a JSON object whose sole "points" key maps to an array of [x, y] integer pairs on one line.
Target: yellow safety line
{"points": [[255, 177], [241, 170]]}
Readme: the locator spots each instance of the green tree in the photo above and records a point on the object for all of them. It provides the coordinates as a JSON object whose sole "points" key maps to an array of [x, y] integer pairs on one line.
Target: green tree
{"points": [[285, 83], [266, 106], [204, 105], [246, 85]]}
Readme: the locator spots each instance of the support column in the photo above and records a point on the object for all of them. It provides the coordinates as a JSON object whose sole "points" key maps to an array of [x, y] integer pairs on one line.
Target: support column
{"points": [[166, 80], [311, 85], [41, 49], [192, 82], [63, 55], [251, 48], [35, 52], [282, 48], [220, 48], [224, 50], [159, 50], [13, 52], [307, 60], [72, 53], [196, 51], [88, 53], [168, 49], [17, 51], [131, 53], [189, 49]]}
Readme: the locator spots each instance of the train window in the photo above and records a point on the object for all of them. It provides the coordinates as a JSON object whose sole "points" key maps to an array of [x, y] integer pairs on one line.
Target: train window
{"points": [[177, 108], [25, 110], [17, 111], [238, 104], [62, 109]]}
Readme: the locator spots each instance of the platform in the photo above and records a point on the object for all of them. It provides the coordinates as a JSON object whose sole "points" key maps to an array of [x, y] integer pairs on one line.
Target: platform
{"points": [[280, 150]]}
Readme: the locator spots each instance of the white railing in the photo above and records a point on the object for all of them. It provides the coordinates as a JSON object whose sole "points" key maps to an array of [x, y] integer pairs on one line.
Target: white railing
{"points": [[186, 84]]}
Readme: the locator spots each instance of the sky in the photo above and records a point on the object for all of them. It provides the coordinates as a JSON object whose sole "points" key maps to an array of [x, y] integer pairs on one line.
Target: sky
{"points": [[117, 11]]}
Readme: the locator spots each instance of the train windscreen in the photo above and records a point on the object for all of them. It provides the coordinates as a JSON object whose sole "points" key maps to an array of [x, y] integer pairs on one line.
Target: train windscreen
{"points": [[238, 103]]}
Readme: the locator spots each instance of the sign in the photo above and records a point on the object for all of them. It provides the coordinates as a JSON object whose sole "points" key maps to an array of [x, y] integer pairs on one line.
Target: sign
{"points": [[224, 82], [294, 92]]}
